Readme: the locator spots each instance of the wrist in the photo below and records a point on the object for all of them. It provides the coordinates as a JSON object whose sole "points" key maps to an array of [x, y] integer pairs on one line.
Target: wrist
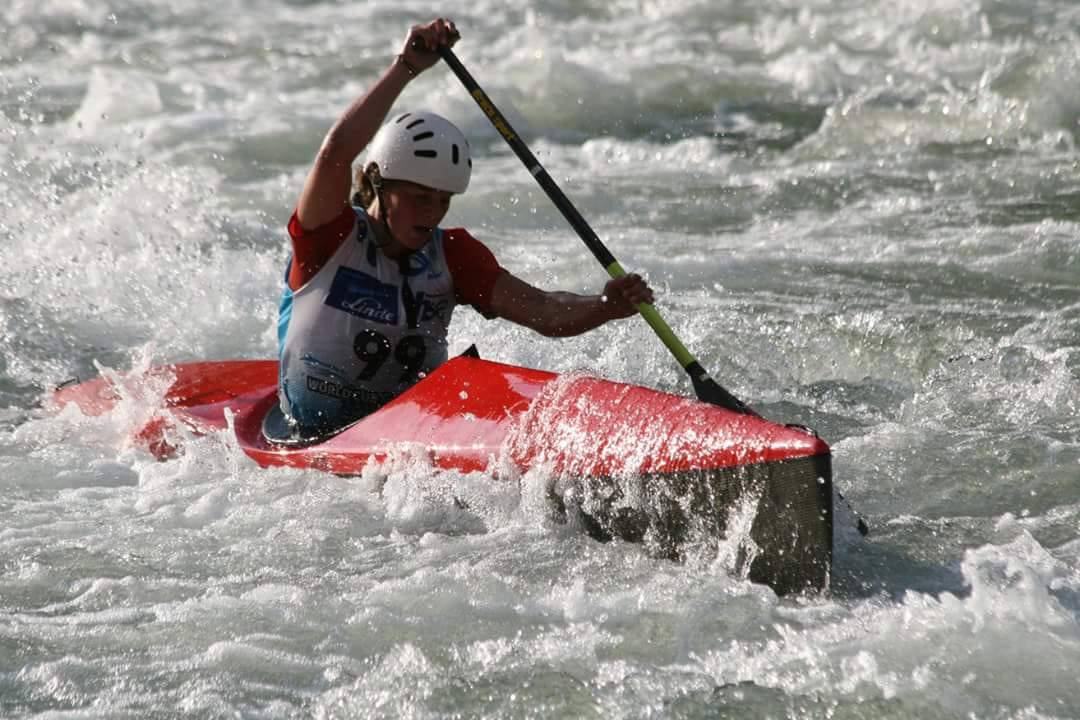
{"points": [[608, 307], [407, 66]]}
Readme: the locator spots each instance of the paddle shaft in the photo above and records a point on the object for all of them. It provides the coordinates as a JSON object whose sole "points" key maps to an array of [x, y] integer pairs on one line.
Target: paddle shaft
{"points": [[706, 388]]}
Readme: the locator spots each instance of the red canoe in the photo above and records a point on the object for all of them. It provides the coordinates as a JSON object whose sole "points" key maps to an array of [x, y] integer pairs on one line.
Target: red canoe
{"points": [[634, 463]]}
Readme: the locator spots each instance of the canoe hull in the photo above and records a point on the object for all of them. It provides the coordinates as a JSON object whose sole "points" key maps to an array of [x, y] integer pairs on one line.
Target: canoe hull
{"points": [[631, 462]]}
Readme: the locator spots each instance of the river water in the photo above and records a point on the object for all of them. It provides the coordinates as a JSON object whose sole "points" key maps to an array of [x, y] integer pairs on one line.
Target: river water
{"points": [[861, 215]]}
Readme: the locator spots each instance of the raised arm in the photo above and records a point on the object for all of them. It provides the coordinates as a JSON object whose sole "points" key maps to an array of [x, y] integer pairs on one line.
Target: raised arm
{"points": [[562, 314], [329, 183]]}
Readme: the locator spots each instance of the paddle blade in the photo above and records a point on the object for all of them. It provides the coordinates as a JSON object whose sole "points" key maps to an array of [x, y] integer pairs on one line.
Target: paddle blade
{"points": [[708, 390]]}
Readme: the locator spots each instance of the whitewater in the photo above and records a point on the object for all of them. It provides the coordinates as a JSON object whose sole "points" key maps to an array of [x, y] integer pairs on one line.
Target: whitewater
{"points": [[861, 216]]}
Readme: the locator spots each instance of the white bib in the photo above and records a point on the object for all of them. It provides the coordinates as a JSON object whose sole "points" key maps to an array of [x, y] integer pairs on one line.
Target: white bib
{"points": [[361, 331]]}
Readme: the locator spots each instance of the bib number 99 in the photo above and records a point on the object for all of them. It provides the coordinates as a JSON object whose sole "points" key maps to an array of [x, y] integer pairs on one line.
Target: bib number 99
{"points": [[374, 349]]}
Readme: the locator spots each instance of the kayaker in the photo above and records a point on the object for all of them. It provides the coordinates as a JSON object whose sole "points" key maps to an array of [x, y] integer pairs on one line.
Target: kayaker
{"points": [[373, 279]]}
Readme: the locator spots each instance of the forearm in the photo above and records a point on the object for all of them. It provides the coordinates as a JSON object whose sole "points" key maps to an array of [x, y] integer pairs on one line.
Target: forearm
{"points": [[559, 314], [566, 314]]}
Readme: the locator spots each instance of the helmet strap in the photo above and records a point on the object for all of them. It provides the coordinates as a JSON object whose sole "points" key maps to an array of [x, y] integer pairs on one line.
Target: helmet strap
{"points": [[384, 214]]}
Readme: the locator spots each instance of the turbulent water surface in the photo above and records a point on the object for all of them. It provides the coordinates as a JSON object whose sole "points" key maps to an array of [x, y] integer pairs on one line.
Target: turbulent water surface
{"points": [[862, 216]]}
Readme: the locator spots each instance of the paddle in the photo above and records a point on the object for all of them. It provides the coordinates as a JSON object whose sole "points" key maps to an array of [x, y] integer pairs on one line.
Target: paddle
{"points": [[706, 388]]}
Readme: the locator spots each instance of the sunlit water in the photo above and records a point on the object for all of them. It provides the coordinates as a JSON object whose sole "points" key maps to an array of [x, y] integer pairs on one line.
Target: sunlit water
{"points": [[862, 216]]}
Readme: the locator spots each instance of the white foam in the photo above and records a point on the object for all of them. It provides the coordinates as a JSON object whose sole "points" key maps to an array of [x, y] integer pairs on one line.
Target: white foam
{"points": [[114, 97]]}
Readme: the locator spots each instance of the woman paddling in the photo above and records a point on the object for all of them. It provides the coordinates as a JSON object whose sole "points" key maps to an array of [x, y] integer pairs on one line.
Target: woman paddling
{"points": [[372, 282]]}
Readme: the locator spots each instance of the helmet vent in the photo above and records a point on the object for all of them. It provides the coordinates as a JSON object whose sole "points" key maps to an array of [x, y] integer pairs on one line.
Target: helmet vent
{"points": [[423, 136], [426, 153], [402, 117], [414, 123], [454, 154]]}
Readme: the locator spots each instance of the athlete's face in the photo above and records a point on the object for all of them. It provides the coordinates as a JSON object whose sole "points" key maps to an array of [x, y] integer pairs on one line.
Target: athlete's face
{"points": [[414, 211]]}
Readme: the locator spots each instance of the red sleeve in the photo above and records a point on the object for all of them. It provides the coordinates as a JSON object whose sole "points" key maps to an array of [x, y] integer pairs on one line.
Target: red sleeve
{"points": [[473, 268], [313, 248]]}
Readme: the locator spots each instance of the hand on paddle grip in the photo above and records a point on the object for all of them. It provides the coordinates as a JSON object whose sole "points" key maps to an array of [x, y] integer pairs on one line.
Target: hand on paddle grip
{"points": [[421, 49], [623, 295]]}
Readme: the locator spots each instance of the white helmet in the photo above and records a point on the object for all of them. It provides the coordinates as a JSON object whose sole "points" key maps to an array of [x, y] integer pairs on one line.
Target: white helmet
{"points": [[423, 148]]}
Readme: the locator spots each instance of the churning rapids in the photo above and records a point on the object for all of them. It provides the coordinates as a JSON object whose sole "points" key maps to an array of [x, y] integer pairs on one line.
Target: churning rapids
{"points": [[861, 215]]}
